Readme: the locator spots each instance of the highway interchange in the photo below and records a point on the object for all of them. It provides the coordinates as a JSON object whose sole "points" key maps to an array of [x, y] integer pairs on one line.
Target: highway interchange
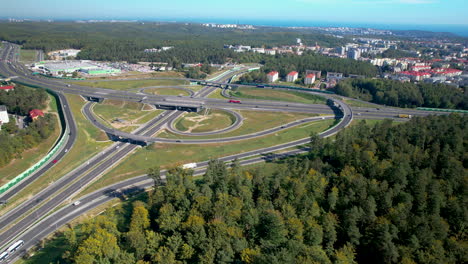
{"points": [[32, 220]]}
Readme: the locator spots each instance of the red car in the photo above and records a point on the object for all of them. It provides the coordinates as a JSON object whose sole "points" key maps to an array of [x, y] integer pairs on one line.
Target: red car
{"points": [[54, 161]]}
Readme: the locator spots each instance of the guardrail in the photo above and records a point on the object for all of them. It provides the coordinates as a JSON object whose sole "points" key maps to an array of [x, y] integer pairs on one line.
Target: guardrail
{"points": [[442, 110], [36, 166]]}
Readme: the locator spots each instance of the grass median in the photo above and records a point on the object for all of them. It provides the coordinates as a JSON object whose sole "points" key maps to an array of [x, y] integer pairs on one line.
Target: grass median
{"points": [[125, 116], [27, 56]]}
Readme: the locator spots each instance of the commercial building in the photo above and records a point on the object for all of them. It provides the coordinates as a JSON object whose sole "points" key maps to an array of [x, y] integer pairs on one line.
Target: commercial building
{"points": [[272, 76], [58, 68], [3, 116], [292, 76], [309, 79]]}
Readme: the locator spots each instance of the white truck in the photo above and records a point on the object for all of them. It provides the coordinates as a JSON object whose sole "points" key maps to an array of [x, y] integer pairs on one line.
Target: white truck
{"points": [[189, 166]]}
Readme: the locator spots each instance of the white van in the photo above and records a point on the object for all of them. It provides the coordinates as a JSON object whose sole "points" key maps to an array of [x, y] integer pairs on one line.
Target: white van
{"points": [[15, 246]]}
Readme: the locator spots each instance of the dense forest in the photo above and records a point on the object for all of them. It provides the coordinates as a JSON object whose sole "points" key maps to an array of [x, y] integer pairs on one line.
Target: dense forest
{"points": [[375, 194], [286, 63], [23, 99], [127, 41], [14, 141], [394, 93]]}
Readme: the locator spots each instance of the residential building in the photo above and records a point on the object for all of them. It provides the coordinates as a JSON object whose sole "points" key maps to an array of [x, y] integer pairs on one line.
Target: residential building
{"points": [[318, 74], [309, 79], [420, 68], [7, 88], [292, 76], [415, 75], [272, 76], [270, 51], [35, 113], [3, 116], [354, 54]]}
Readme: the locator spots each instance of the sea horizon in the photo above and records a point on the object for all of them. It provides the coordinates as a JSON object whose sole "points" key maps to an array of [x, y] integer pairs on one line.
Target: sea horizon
{"points": [[458, 29]]}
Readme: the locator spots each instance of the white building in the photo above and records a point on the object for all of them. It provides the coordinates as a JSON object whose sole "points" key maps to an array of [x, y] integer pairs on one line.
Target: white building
{"points": [[3, 116], [272, 76], [270, 51], [292, 76], [309, 79]]}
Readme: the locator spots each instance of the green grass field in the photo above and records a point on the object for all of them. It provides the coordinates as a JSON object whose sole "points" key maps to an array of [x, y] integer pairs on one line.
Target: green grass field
{"points": [[217, 94], [130, 114], [167, 91], [277, 95], [85, 147], [129, 84], [204, 122], [169, 155], [254, 121], [27, 55], [31, 156]]}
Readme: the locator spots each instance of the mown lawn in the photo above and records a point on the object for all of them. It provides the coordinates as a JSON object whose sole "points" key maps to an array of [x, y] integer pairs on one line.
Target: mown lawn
{"points": [[130, 84], [167, 91], [27, 55], [204, 122], [277, 95]]}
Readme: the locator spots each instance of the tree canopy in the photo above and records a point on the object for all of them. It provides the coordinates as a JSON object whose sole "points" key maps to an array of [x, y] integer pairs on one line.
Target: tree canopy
{"points": [[376, 194], [394, 93]]}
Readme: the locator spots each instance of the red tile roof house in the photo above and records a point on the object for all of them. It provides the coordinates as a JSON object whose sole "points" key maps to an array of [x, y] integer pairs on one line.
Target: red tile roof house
{"points": [[309, 79], [292, 76], [35, 113], [272, 76], [7, 88]]}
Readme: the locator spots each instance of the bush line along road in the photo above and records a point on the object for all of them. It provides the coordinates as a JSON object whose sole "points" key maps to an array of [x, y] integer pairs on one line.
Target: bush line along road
{"points": [[31, 221]]}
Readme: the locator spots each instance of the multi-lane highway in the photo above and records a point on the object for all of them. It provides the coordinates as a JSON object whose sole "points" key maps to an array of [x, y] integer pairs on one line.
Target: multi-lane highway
{"points": [[23, 222]]}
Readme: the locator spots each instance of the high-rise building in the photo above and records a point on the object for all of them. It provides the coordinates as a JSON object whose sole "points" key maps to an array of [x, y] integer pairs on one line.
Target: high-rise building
{"points": [[354, 54]]}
